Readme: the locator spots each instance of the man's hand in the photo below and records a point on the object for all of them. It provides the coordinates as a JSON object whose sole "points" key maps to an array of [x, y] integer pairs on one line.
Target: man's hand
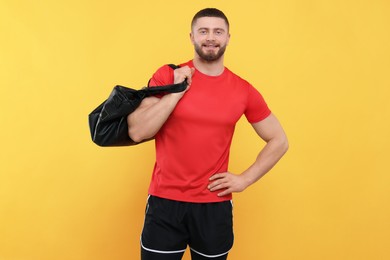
{"points": [[228, 182], [183, 73]]}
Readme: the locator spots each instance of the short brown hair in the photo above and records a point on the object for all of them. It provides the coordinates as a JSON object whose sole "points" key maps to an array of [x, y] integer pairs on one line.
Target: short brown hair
{"points": [[209, 12]]}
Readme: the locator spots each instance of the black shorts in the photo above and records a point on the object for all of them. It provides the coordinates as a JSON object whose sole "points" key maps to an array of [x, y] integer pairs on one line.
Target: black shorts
{"points": [[172, 225]]}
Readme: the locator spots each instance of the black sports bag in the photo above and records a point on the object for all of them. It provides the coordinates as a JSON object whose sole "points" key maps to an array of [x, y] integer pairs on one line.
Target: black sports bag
{"points": [[108, 122]]}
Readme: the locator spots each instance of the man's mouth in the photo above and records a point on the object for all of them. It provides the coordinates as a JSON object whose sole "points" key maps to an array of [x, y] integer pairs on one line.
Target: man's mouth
{"points": [[210, 46]]}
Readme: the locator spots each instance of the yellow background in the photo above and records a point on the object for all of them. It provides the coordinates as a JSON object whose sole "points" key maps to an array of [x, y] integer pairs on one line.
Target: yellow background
{"points": [[323, 67]]}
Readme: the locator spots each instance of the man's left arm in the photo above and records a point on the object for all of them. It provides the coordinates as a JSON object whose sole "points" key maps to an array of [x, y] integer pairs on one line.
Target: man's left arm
{"points": [[276, 146]]}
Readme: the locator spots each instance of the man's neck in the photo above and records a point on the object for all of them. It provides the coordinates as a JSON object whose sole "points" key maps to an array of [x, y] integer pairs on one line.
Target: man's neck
{"points": [[214, 68]]}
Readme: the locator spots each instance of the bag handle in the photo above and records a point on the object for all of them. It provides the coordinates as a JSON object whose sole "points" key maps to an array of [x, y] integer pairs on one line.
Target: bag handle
{"points": [[172, 88]]}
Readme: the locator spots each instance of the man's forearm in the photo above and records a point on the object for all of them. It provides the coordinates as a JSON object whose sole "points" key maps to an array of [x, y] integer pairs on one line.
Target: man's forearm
{"points": [[266, 160], [145, 122]]}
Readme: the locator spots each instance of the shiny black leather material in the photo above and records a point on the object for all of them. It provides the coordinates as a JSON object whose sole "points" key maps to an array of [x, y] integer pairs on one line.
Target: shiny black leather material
{"points": [[108, 122]]}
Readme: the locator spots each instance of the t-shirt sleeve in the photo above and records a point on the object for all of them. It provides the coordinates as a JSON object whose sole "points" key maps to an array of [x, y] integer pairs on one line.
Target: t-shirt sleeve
{"points": [[163, 76], [256, 109]]}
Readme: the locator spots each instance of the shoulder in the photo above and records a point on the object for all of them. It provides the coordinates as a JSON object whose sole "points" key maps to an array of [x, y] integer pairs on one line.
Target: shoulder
{"points": [[238, 82], [188, 63], [251, 93], [164, 75], [236, 78]]}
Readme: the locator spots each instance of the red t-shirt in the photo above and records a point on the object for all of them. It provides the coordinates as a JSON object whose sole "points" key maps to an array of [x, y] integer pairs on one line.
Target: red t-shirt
{"points": [[194, 142]]}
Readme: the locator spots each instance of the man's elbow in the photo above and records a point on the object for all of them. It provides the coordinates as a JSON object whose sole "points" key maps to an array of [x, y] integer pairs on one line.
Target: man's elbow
{"points": [[132, 130], [133, 136], [280, 144], [284, 145], [136, 136]]}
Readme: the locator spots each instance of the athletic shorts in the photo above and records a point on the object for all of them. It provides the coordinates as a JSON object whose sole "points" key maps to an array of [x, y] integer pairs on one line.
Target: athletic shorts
{"points": [[207, 228]]}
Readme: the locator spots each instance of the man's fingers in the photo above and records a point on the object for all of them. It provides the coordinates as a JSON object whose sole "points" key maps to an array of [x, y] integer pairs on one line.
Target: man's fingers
{"points": [[226, 183], [225, 192], [183, 73], [216, 176], [214, 184], [217, 186], [220, 183], [188, 74]]}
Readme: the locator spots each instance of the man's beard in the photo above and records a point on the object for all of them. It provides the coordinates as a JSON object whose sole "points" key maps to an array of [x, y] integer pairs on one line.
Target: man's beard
{"points": [[209, 56]]}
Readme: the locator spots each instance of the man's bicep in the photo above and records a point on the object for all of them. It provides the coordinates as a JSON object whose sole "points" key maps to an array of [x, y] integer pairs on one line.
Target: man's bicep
{"points": [[269, 128]]}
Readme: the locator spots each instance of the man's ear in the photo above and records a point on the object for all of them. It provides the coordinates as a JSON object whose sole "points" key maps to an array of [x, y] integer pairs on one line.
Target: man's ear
{"points": [[192, 38]]}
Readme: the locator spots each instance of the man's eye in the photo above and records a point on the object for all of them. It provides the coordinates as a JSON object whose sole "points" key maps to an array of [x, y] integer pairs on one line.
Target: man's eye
{"points": [[203, 32]]}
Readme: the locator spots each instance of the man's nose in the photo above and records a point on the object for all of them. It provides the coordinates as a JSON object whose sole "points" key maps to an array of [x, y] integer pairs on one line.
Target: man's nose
{"points": [[210, 36]]}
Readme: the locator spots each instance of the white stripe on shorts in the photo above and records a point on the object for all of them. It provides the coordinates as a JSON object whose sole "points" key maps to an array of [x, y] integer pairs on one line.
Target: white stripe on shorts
{"points": [[160, 251], [209, 256]]}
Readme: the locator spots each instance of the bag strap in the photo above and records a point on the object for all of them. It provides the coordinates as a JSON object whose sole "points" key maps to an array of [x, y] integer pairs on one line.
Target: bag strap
{"points": [[173, 66], [172, 88]]}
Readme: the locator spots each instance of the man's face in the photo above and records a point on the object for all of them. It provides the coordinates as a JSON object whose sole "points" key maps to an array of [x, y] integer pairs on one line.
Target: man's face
{"points": [[210, 36]]}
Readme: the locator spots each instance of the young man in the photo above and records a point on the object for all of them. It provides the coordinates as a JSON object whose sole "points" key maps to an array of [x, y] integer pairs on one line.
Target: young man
{"points": [[191, 189]]}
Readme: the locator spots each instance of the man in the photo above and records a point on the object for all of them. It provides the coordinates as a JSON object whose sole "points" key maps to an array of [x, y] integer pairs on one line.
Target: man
{"points": [[191, 189]]}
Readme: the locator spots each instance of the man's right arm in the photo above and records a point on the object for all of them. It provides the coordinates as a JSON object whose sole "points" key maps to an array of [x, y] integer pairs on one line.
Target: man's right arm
{"points": [[149, 117]]}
